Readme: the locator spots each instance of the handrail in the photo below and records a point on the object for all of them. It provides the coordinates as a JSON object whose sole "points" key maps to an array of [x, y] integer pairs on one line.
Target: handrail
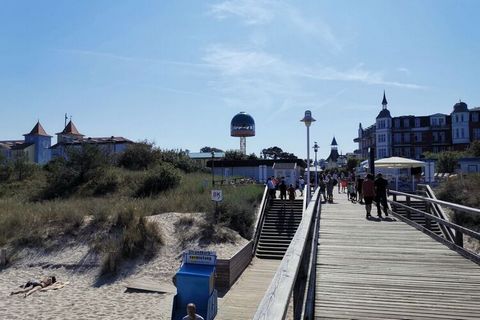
{"points": [[260, 219], [304, 204], [440, 202], [308, 311], [275, 302], [438, 210], [455, 242]]}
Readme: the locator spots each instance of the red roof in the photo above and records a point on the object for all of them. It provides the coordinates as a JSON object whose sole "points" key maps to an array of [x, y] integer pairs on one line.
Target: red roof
{"points": [[38, 130], [70, 129]]}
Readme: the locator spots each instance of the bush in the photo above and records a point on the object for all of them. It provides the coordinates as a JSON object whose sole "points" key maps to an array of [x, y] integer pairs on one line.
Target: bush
{"points": [[139, 156], [162, 178]]}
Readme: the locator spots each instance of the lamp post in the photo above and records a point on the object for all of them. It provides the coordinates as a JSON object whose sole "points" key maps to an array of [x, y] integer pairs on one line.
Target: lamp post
{"points": [[315, 148], [307, 119], [213, 167]]}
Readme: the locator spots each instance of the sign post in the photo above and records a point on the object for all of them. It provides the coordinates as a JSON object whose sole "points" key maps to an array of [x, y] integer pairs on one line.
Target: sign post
{"points": [[217, 196]]}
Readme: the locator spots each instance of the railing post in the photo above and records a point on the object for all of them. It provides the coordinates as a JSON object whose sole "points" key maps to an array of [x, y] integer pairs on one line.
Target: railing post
{"points": [[427, 218], [394, 197], [459, 238]]}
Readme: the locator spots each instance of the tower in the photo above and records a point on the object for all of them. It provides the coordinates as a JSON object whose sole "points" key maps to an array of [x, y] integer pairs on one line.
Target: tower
{"points": [[383, 131], [333, 157], [42, 141], [69, 133], [242, 126], [460, 124]]}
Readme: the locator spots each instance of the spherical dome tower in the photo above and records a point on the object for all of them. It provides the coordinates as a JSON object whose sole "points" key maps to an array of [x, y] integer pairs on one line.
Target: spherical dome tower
{"points": [[242, 126]]}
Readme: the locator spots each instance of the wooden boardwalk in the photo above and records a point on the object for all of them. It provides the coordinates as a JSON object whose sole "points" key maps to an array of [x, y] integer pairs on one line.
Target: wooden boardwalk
{"points": [[242, 300], [388, 270]]}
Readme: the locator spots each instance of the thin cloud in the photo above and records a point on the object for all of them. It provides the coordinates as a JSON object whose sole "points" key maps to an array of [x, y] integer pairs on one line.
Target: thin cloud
{"points": [[262, 12]]}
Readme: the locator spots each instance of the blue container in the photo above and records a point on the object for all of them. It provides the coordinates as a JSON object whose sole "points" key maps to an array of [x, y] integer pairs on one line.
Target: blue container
{"points": [[195, 284]]}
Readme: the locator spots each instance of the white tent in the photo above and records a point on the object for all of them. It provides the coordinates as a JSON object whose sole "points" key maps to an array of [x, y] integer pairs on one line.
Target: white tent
{"points": [[399, 163]]}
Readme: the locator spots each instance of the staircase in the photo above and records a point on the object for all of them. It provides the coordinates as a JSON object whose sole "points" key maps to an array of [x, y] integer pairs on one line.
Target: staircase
{"points": [[282, 219], [417, 217]]}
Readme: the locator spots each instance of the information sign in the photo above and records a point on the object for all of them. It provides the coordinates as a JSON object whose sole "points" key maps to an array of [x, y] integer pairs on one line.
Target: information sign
{"points": [[217, 195], [200, 257]]}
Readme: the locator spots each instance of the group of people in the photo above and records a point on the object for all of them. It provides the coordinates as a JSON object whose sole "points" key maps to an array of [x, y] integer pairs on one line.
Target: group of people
{"points": [[359, 189], [274, 184]]}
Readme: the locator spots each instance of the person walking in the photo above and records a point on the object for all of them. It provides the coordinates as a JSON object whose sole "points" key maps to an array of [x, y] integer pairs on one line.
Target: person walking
{"points": [[381, 186], [359, 185], [330, 184], [283, 190], [301, 185], [368, 189], [291, 193], [271, 188]]}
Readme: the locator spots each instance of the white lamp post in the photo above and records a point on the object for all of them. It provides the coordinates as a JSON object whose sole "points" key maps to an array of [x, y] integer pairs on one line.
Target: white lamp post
{"points": [[307, 119], [315, 148]]}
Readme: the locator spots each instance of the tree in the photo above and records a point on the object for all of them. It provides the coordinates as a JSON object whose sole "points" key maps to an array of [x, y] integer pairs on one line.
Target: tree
{"points": [[447, 161], [210, 149], [352, 163], [139, 156], [277, 153], [234, 155], [474, 149]]}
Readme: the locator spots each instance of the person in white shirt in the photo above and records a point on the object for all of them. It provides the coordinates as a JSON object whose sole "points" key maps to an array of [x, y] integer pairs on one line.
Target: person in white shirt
{"points": [[191, 313]]}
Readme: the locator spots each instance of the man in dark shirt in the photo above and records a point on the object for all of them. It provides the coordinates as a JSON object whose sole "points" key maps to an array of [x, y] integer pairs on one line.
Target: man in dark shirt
{"points": [[381, 186]]}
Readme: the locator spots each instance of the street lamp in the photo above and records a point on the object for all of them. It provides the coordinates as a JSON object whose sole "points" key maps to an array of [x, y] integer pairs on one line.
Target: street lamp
{"points": [[315, 148], [307, 119], [213, 167]]}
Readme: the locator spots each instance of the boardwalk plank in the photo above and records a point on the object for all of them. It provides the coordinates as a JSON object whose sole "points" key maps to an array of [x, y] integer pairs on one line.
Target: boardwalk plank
{"points": [[370, 269]]}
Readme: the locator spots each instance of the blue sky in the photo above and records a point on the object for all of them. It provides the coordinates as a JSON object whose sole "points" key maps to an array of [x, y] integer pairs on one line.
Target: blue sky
{"points": [[176, 72]]}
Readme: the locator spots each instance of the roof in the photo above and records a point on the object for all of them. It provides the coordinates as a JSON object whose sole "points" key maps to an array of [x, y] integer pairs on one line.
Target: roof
{"points": [[14, 144], [460, 107], [334, 142], [475, 109], [38, 130], [206, 155], [94, 140], [385, 113], [254, 163], [333, 155], [70, 129], [284, 166]]}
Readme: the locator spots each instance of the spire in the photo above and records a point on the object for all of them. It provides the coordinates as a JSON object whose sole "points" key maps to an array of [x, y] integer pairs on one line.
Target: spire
{"points": [[384, 101], [38, 130], [334, 142]]}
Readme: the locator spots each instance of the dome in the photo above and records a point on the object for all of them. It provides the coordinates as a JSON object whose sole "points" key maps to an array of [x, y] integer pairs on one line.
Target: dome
{"points": [[242, 125], [385, 113], [460, 107]]}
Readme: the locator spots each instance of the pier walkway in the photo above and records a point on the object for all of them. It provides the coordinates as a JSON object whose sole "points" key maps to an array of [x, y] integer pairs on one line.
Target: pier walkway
{"points": [[368, 269]]}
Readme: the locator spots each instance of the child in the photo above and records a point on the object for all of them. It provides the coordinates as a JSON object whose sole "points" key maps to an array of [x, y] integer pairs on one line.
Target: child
{"points": [[352, 194]]}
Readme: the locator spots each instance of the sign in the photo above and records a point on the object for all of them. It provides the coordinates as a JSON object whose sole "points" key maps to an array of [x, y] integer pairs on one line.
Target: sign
{"points": [[200, 257], [217, 195]]}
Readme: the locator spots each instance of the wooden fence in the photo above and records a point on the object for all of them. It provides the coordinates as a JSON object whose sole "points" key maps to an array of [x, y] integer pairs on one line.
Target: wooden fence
{"points": [[228, 270]]}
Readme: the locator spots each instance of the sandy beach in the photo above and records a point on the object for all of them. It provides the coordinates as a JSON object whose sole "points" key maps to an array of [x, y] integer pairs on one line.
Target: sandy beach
{"points": [[83, 297]]}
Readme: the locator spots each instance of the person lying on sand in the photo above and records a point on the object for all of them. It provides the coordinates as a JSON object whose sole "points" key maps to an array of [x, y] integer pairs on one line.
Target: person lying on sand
{"points": [[34, 286]]}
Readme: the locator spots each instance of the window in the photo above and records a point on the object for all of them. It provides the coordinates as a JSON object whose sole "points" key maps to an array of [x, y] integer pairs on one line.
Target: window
{"points": [[406, 123], [461, 116], [406, 152], [463, 133], [418, 136], [456, 118], [417, 122], [397, 123], [476, 133], [475, 116], [406, 138], [440, 121], [456, 133], [397, 137], [441, 136], [434, 122], [381, 138], [418, 152], [435, 136]]}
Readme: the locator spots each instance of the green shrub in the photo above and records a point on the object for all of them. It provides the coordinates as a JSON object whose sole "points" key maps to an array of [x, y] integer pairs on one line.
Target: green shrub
{"points": [[139, 156], [162, 178]]}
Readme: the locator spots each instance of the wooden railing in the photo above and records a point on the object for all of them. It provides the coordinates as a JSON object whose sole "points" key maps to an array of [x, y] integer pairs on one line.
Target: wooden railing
{"points": [[293, 276], [437, 210], [454, 243], [260, 218]]}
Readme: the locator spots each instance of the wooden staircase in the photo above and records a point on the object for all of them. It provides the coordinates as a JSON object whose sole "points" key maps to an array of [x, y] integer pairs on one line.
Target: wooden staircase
{"points": [[282, 219], [417, 217]]}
